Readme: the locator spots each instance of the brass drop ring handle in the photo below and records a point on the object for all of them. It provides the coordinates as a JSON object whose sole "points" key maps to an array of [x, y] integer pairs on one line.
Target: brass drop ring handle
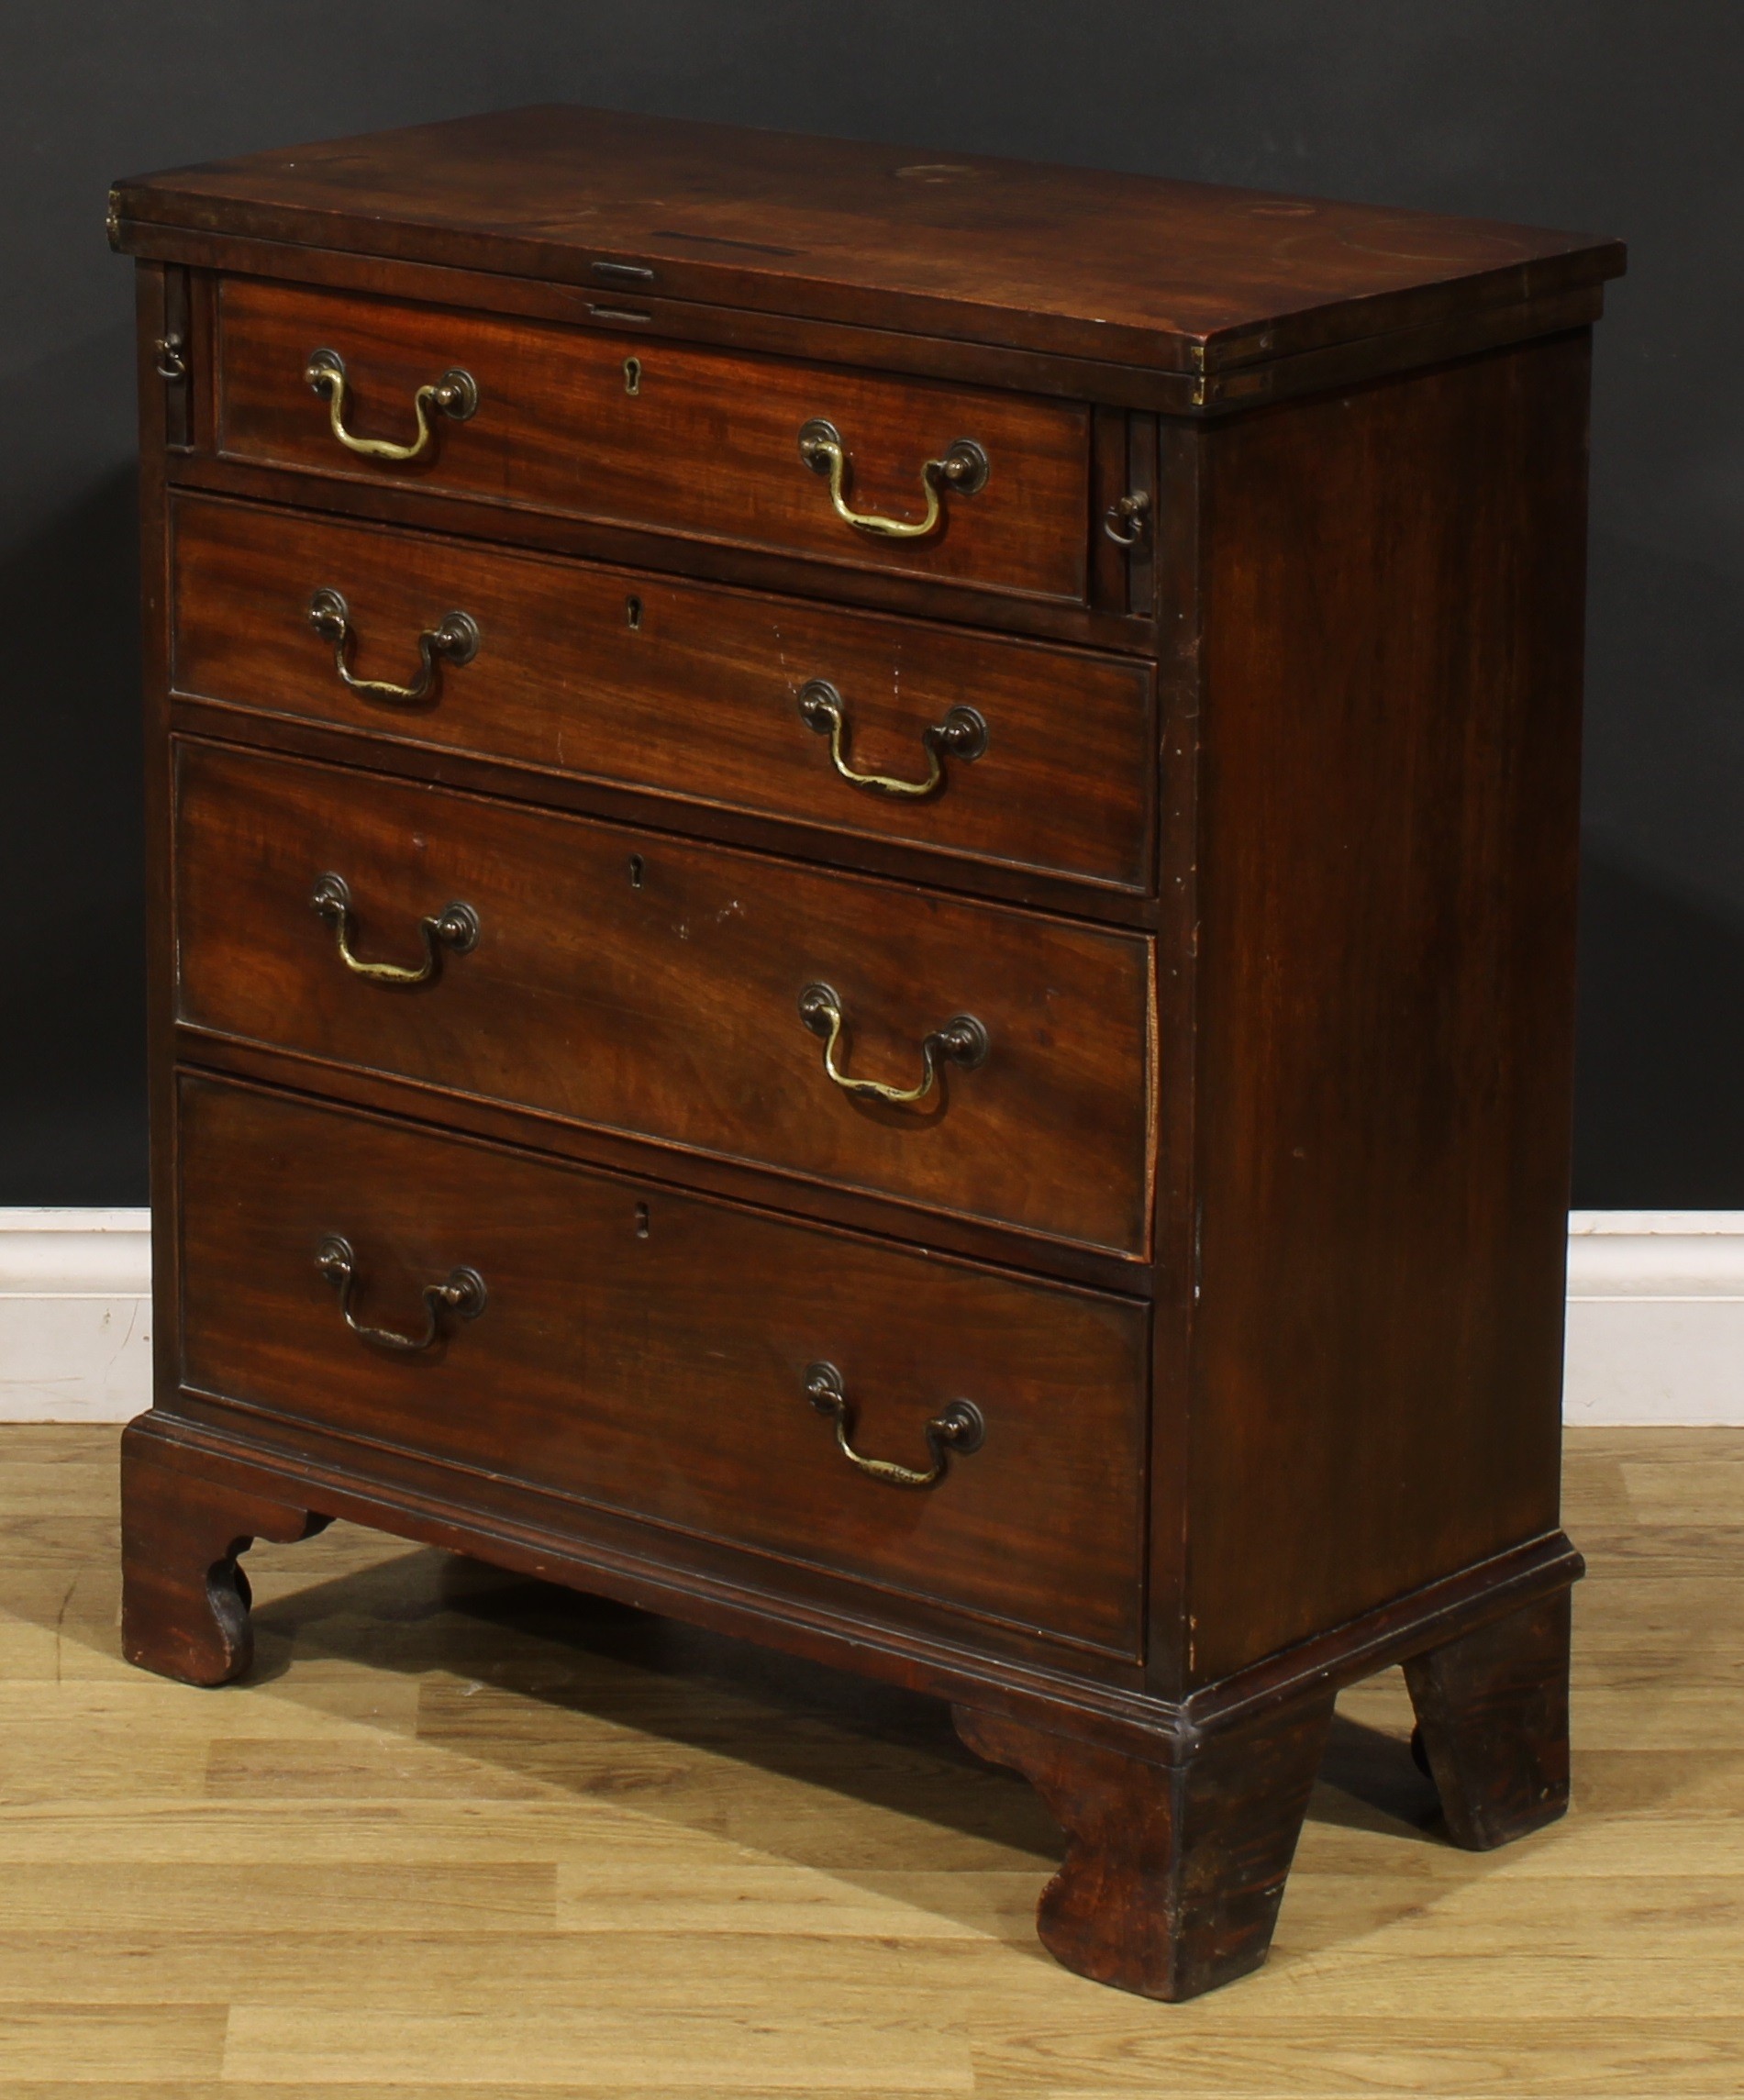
{"points": [[1128, 520], [455, 927], [455, 394], [963, 468], [962, 1041], [962, 734], [455, 640], [960, 1428], [463, 1294]]}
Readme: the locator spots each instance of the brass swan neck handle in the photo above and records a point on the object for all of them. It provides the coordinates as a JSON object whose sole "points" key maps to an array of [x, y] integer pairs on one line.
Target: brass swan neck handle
{"points": [[962, 735], [962, 1041], [461, 1294], [454, 927], [958, 1427], [963, 467], [454, 641], [455, 394]]}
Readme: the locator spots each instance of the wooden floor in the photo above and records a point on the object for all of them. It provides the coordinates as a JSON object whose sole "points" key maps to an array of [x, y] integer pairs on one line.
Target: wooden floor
{"points": [[463, 1836]]}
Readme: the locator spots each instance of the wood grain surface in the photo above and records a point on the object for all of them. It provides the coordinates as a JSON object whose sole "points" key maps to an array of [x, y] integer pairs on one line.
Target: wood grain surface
{"points": [[650, 984], [707, 446], [1092, 262], [1388, 848], [464, 1836], [685, 691]]}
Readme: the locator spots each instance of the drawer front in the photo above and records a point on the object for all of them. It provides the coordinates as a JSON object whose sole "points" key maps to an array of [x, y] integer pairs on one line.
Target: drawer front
{"points": [[679, 688], [706, 445], [633, 981], [651, 1352]]}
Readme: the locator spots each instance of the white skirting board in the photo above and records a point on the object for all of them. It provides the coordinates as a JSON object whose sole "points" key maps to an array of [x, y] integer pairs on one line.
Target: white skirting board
{"points": [[1656, 1317], [1655, 1328], [75, 1314]]}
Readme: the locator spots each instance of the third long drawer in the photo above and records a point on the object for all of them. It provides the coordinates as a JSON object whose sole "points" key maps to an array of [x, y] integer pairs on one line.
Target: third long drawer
{"points": [[690, 993]]}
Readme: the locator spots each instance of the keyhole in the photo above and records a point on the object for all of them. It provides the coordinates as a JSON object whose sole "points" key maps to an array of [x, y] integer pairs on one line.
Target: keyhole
{"points": [[632, 375], [642, 1221], [636, 866], [633, 615]]}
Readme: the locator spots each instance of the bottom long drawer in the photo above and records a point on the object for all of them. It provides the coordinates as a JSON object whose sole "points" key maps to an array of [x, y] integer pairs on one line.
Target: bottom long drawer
{"points": [[678, 1358]]}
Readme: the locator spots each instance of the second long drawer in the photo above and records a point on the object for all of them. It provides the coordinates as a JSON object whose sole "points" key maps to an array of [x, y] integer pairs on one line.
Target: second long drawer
{"points": [[1038, 756], [694, 994]]}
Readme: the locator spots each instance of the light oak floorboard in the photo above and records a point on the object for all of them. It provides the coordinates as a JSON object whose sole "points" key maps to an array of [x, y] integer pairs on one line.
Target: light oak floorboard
{"points": [[464, 1836]]}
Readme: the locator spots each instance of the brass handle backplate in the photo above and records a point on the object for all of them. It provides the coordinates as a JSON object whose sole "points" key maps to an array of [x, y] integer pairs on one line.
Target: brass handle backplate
{"points": [[455, 926], [963, 735], [958, 1427], [454, 395], [463, 1294], [455, 640], [962, 1041], [963, 468]]}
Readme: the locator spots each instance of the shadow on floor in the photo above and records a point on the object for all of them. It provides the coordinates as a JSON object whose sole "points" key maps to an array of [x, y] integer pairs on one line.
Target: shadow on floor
{"points": [[888, 1747], [552, 1695]]}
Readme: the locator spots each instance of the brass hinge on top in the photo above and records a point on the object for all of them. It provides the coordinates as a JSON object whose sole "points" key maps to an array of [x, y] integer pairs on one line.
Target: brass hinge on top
{"points": [[1198, 357], [1224, 385]]}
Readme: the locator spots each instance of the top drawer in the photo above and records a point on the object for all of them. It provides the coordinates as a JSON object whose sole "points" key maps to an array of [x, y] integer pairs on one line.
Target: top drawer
{"points": [[641, 432]]}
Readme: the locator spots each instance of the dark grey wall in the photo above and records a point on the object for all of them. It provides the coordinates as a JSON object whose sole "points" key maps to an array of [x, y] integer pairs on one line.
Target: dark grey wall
{"points": [[1610, 116]]}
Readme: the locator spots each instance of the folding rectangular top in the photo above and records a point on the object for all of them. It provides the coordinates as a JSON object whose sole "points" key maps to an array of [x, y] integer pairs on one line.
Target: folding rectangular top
{"points": [[1130, 269]]}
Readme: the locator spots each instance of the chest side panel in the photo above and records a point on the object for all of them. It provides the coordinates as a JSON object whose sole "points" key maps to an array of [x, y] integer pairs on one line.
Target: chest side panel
{"points": [[1388, 845]]}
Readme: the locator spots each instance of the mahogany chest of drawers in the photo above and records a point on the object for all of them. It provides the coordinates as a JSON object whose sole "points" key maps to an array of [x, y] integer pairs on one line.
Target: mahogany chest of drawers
{"points": [[862, 928]]}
